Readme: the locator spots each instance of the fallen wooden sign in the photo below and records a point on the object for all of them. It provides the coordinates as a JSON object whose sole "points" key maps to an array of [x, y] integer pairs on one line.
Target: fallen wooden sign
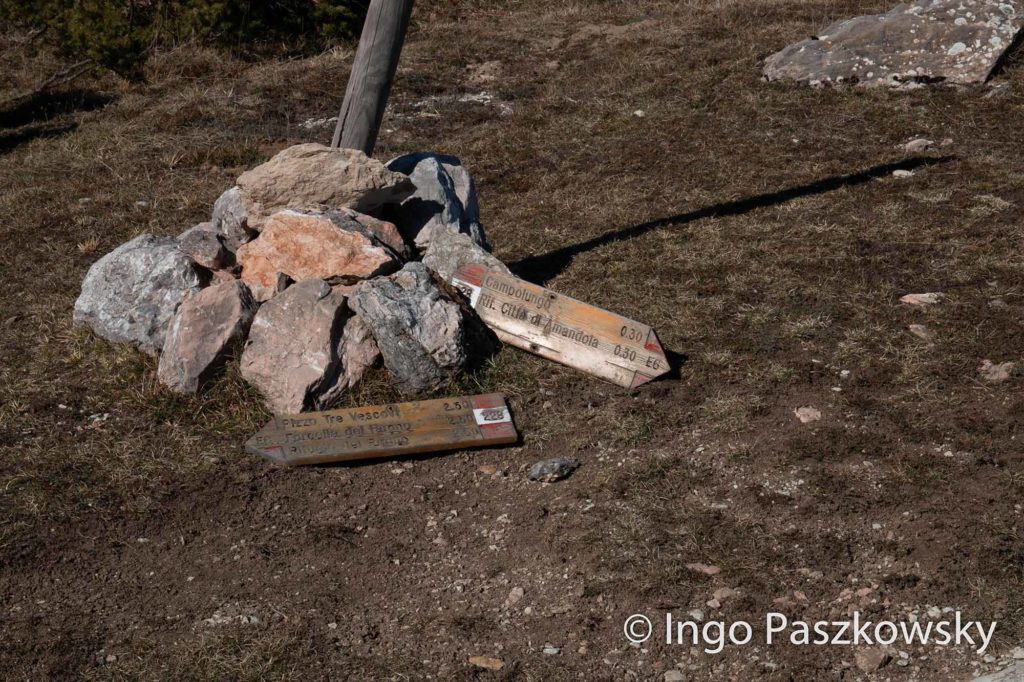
{"points": [[563, 329], [386, 430]]}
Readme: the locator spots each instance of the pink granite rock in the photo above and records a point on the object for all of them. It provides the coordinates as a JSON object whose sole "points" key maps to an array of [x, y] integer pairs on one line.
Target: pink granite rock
{"points": [[313, 245], [293, 356], [203, 332]]}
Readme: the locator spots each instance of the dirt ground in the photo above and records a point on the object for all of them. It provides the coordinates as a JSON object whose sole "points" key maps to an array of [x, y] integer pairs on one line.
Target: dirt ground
{"points": [[627, 154]]}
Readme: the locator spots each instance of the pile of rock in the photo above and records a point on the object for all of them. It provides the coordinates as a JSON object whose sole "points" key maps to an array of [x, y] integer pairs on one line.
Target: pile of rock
{"points": [[318, 264]]}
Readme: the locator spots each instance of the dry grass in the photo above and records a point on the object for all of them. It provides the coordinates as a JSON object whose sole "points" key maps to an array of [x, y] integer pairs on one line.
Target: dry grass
{"points": [[743, 221]]}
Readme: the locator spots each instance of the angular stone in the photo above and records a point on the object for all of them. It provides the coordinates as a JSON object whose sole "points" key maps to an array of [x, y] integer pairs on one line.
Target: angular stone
{"points": [[445, 198], [358, 352], [381, 229], [310, 175], [202, 334], [869, 660], [948, 41], [230, 221], [205, 246], [131, 294], [449, 251], [291, 356], [421, 330], [1011, 673], [313, 245], [551, 470]]}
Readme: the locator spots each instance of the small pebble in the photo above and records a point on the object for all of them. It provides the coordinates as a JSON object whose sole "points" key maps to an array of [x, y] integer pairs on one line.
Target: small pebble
{"points": [[917, 146], [551, 470], [930, 298], [807, 415]]}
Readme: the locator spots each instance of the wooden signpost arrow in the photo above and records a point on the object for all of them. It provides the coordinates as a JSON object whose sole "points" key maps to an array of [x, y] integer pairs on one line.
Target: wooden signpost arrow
{"points": [[563, 329], [386, 430]]}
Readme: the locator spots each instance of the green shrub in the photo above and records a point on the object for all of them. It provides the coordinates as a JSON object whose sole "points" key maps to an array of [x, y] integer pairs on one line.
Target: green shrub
{"points": [[120, 35]]}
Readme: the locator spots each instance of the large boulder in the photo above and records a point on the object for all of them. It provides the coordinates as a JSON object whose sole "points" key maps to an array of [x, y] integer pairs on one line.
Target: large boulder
{"points": [[313, 245], [131, 294], [202, 334], [445, 199], [310, 175], [948, 41], [292, 355], [449, 251], [422, 331]]}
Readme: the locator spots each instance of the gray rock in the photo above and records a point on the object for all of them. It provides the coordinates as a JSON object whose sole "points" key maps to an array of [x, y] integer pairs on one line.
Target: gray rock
{"points": [[358, 352], [918, 145], [1011, 673], [445, 198], [131, 294], [551, 470], [205, 246], [229, 219], [202, 334], [292, 352], [422, 331], [949, 41], [449, 251]]}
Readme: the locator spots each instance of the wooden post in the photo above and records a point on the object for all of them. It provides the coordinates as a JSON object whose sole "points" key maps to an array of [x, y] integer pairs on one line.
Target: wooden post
{"points": [[372, 72]]}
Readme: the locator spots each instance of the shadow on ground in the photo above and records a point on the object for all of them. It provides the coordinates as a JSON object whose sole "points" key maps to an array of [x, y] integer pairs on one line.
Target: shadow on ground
{"points": [[544, 267], [33, 117]]}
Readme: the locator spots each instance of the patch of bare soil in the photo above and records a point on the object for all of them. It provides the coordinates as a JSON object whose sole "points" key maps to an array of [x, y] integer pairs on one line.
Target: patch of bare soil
{"points": [[626, 154]]}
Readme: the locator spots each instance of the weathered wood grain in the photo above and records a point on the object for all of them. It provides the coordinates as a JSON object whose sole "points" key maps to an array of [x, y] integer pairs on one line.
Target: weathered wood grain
{"points": [[373, 70], [386, 430], [563, 329]]}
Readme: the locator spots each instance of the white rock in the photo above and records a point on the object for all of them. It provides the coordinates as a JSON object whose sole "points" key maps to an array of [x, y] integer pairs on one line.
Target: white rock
{"points": [[930, 298], [807, 415]]}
